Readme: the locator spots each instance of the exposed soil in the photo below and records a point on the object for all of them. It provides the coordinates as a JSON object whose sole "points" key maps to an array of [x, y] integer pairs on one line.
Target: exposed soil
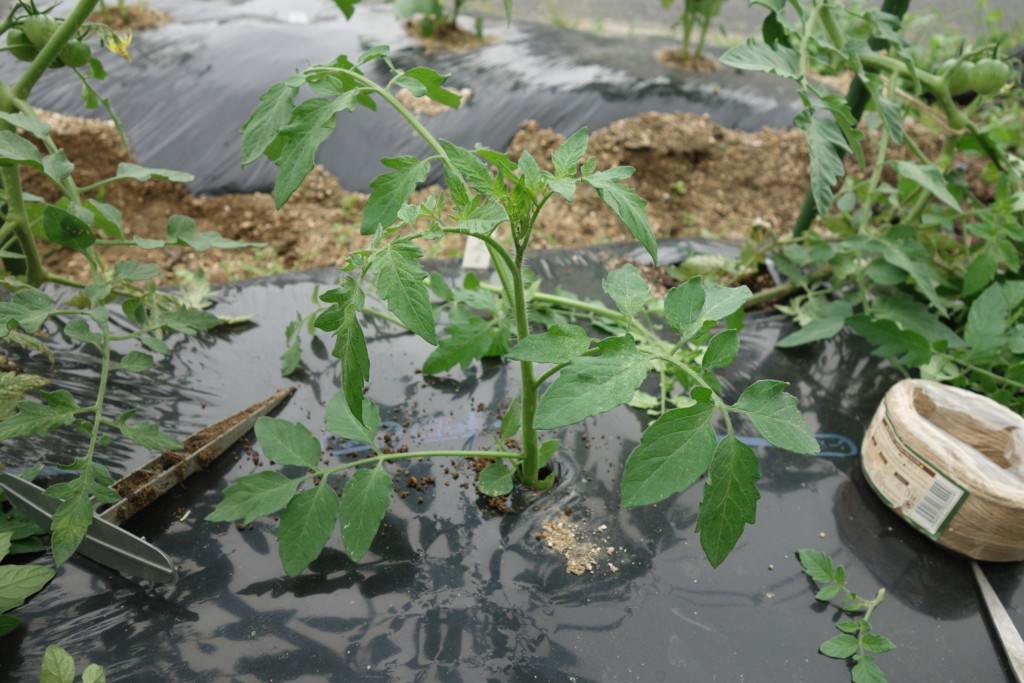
{"points": [[132, 18], [673, 57]]}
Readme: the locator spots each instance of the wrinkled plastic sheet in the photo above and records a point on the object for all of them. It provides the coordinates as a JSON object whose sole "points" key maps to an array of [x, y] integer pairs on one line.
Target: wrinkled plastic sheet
{"points": [[192, 84], [451, 591]]}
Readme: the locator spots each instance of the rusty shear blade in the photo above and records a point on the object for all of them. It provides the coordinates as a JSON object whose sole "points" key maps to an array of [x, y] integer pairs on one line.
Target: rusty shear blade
{"points": [[158, 476]]}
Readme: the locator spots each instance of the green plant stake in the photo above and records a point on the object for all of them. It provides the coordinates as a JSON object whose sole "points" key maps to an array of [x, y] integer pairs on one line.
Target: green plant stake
{"points": [[587, 376], [858, 641]]}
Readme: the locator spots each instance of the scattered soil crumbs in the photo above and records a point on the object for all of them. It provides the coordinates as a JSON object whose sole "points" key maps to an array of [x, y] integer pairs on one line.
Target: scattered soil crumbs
{"points": [[137, 18], [582, 548], [672, 57], [699, 179]]}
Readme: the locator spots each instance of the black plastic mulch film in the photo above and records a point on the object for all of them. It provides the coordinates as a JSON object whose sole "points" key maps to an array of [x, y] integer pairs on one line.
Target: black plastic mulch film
{"points": [[452, 591]]}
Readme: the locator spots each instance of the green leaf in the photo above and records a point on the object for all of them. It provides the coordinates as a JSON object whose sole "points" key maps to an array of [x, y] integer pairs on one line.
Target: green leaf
{"points": [[482, 218], [15, 149], [987, 321], [254, 496], [400, 282], [273, 113], [135, 271], [347, 7], [94, 674], [187, 320], [340, 420], [182, 230], [892, 342], [776, 416], [827, 146], [547, 451], [494, 480], [827, 593], [34, 418], [930, 178], [70, 522], [66, 229], [287, 443], [148, 435], [468, 341], [474, 170], [848, 626], [816, 565], [136, 361], [57, 166], [349, 344], [674, 452], [757, 55], [730, 498], [128, 171], [57, 667], [13, 386], [18, 582], [79, 329], [627, 289], [29, 308], [867, 672], [839, 647], [570, 152], [877, 644], [631, 210], [8, 624], [390, 190], [980, 272], [721, 302], [423, 82], [375, 52], [684, 308], [306, 526], [312, 122], [511, 421], [911, 256], [560, 344], [364, 501], [593, 385], [566, 187], [155, 345], [27, 123], [721, 350], [816, 330]]}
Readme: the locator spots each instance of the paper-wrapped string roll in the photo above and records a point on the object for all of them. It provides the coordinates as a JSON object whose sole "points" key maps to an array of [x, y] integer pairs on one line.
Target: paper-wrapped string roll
{"points": [[951, 463]]}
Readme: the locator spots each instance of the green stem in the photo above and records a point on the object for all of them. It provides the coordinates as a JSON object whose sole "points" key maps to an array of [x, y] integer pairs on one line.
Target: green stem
{"points": [[17, 217], [982, 371], [386, 457], [101, 390], [396, 105]]}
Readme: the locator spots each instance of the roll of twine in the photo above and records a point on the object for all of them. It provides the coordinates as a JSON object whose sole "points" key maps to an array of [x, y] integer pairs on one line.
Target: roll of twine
{"points": [[951, 463]]}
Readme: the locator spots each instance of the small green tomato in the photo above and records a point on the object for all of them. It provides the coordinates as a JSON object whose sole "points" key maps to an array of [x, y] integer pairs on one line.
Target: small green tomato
{"points": [[989, 76], [39, 28], [20, 46], [960, 79], [75, 54]]}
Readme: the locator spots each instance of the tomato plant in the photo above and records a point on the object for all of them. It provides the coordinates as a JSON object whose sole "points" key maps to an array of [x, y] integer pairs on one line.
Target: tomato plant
{"points": [[565, 376], [921, 267]]}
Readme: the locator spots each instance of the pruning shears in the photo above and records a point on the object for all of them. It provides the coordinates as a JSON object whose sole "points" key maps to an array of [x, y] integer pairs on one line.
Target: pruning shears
{"points": [[105, 541]]}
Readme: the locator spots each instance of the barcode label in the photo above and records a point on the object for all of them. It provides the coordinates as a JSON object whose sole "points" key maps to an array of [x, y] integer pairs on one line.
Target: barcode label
{"points": [[936, 505]]}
